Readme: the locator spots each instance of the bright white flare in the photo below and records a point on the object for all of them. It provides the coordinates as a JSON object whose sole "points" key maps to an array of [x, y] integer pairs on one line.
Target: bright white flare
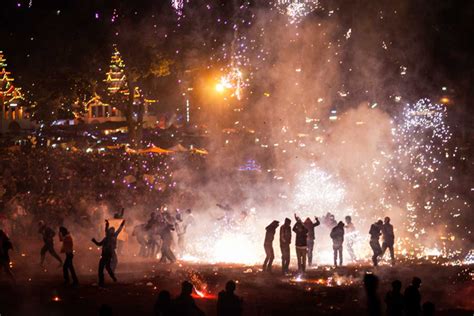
{"points": [[318, 192], [178, 6], [296, 10]]}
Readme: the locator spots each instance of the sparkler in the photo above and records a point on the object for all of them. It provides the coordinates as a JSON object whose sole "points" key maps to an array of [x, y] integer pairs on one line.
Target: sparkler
{"points": [[296, 10], [421, 138]]}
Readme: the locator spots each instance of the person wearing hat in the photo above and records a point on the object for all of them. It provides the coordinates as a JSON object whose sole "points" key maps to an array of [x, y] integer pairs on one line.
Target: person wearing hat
{"points": [[268, 245]]}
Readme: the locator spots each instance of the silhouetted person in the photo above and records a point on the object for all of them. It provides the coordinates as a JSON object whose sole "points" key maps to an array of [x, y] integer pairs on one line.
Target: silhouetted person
{"points": [[388, 238], [229, 304], [108, 244], [163, 304], [371, 283], [413, 298], [329, 220], [428, 309], [337, 236], [68, 250], [5, 247], [48, 239], [184, 304], [167, 237], [375, 232], [151, 227], [122, 238], [184, 220], [310, 239], [394, 300], [140, 234], [285, 241], [350, 233], [301, 243], [105, 310], [268, 245]]}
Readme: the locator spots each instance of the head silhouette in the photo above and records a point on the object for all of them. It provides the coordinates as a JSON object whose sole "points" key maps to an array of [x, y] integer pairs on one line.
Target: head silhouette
{"points": [[287, 221], [164, 296], [416, 282], [230, 286], [379, 222], [348, 219], [396, 286], [63, 230], [387, 220], [371, 283], [340, 224], [186, 288], [110, 231]]}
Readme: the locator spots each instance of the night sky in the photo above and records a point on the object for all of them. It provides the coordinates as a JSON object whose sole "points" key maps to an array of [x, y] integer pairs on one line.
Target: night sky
{"points": [[51, 42]]}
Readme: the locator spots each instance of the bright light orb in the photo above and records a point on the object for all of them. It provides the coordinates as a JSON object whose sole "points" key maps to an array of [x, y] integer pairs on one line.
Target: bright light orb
{"points": [[220, 87]]}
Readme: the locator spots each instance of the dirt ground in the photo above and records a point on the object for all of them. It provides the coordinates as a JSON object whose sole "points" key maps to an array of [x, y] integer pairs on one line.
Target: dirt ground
{"points": [[322, 291]]}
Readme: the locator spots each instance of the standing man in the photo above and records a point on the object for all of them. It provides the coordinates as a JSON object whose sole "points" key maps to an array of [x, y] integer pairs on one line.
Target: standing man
{"points": [[268, 245], [337, 236], [229, 304], [301, 243], [375, 232], [68, 249], [413, 298], [183, 222], [48, 239], [109, 243], [388, 239], [350, 237], [310, 242], [167, 238], [285, 241]]}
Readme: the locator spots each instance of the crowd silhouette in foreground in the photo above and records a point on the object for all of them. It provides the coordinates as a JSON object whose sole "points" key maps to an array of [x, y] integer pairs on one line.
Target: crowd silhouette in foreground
{"points": [[229, 304], [397, 304]]}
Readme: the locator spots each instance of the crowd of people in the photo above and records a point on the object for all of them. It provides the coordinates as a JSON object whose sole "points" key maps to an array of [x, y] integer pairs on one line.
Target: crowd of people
{"points": [[80, 189], [397, 303], [408, 303], [305, 237]]}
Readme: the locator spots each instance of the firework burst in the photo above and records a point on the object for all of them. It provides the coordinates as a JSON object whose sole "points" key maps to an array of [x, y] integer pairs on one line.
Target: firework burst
{"points": [[296, 10], [178, 6], [318, 191]]}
